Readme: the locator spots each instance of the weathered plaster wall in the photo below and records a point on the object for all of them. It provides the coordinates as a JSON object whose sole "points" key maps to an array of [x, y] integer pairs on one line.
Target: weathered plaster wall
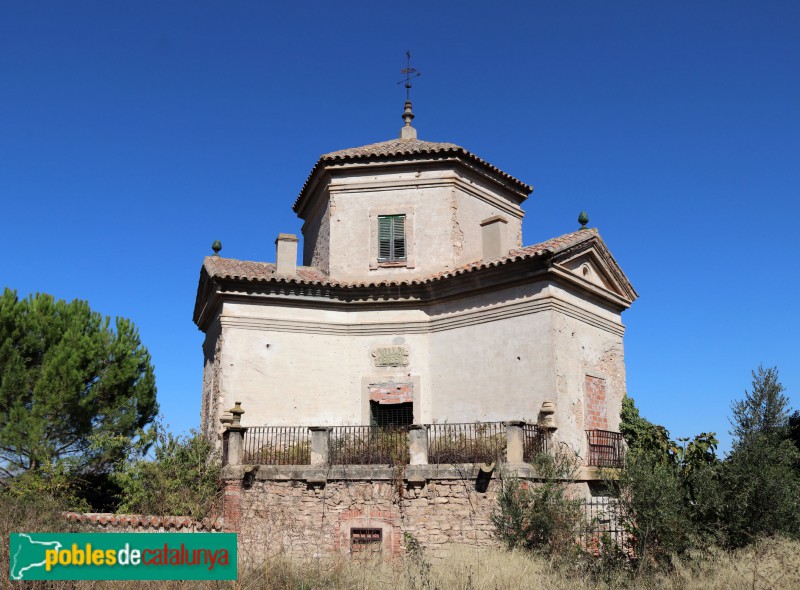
{"points": [[492, 370], [300, 366], [471, 211], [209, 404], [317, 237], [491, 357], [443, 208], [583, 348], [354, 239]]}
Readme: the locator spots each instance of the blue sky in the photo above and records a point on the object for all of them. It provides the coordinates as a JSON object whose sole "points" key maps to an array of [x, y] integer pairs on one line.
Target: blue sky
{"points": [[133, 134]]}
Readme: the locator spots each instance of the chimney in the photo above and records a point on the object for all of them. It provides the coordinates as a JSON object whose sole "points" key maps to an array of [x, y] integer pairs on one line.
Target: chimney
{"points": [[286, 258], [494, 238]]}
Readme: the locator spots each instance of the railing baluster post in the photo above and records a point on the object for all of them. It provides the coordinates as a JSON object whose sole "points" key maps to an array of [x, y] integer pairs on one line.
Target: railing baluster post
{"points": [[235, 436], [320, 444], [418, 444], [515, 446]]}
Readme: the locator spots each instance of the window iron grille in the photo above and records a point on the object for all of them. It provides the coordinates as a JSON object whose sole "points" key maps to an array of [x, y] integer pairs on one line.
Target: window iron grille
{"points": [[389, 415], [366, 541]]}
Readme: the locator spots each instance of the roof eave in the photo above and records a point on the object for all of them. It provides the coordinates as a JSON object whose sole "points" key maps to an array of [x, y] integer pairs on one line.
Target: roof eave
{"points": [[466, 158], [206, 299]]}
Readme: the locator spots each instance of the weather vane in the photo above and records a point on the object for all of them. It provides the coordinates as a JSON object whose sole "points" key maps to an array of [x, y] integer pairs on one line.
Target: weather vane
{"points": [[409, 73]]}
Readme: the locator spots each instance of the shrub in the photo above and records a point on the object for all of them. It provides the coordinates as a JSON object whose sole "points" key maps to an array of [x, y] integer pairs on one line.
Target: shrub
{"points": [[298, 453], [182, 479], [466, 443], [540, 516], [370, 445], [650, 500]]}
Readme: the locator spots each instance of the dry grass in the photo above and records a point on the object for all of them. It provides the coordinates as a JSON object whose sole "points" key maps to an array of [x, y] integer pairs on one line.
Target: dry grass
{"points": [[770, 564], [773, 565]]}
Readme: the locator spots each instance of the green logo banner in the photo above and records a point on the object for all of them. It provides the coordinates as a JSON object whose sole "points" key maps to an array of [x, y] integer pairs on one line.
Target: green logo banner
{"points": [[123, 556]]}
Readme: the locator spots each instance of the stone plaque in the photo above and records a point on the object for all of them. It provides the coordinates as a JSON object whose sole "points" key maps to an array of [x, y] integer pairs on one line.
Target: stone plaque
{"points": [[390, 356]]}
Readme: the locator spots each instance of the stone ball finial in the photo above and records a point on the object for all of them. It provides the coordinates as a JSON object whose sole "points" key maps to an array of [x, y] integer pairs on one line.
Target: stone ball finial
{"points": [[546, 415], [583, 219], [236, 411], [216, 247]]}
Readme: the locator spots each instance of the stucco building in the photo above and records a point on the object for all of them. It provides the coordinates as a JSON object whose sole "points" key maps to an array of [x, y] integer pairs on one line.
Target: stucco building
{"points": [[417, 306], [416, 302]]}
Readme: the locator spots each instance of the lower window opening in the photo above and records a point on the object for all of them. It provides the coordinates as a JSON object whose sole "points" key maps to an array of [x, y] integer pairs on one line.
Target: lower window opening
{"points": [[366, 541], [391, 415]]}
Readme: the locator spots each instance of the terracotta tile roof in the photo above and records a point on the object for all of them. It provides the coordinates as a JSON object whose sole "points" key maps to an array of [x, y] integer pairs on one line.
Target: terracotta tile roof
{"points": [[559, 243], [232, 269], [405, 147], [246, 270], [393, 147], [138, 521]]}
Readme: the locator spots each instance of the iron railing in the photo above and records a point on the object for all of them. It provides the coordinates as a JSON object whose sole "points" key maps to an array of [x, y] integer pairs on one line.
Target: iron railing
{"points": [[476, 442], [606, 448], [277, 445], [602, 529], [535, 440], [368, 445]]}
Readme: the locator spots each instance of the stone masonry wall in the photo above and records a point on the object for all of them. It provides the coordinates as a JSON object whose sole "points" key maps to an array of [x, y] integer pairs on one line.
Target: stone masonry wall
{"points": [[304, 519]]}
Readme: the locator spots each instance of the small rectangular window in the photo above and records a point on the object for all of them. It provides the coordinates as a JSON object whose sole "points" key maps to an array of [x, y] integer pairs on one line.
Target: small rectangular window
{"points": [[391, 238], [391, 415], [366, 541]]}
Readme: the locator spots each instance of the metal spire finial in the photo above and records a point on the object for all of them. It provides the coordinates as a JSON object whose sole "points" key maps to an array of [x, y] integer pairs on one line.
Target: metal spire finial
{"points": [[408, 132], [409, 73]]}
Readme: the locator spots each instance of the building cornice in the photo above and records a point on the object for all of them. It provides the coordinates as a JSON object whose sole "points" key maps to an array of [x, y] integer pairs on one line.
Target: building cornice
{"points": [[426, 326], [532, 264]]}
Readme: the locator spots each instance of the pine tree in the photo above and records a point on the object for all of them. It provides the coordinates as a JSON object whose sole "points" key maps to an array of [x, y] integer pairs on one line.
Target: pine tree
{"points": [[761, 486], [764, 411], [73, 390]]}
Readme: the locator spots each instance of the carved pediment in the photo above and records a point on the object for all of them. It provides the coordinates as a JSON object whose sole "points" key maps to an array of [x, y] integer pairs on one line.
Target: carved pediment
{"points": [[589, 268], [592, 263]]}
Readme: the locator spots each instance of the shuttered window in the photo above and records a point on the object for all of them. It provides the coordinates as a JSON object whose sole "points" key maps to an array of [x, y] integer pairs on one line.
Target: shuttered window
{"points": [[391, 238]]}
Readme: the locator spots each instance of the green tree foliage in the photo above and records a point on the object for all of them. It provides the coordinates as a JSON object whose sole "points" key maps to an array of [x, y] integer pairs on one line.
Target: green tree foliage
{"points": [[794, 433], [182, 479], [67, 380], [764, 411], [760, 483], [667, 491], [641, 434], [541, 516], [650, 498]]}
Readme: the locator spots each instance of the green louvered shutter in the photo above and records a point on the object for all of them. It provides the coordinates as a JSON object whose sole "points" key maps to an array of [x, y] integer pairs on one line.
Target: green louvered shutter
{"points": [[399, 237], [384, 238], [391, 238]]}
